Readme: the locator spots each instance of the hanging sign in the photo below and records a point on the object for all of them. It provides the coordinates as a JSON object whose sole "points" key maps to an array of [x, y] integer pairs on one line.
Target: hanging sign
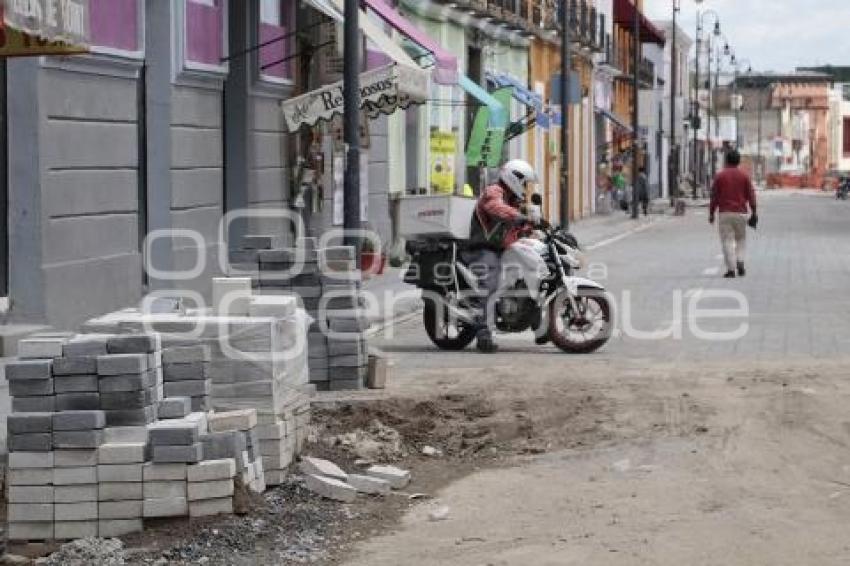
{"points": [[382, 91], [51, 21]]}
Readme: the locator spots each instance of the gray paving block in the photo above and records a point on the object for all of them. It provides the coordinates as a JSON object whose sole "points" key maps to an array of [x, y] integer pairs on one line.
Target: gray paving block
{"points": [[134, 344], [29, 369], [31, 387], [31, 442], [79, 420], [119, 472], [28, 460], [345, 384], [131, 417], [211, 507], [30, 494], [29, 422], [173, 434], [41, 346], [30, 531], [80, 511], [119, 509], [78, 401], [120, 364], [174, 407], [122, 453], [336, 348], [184, 372], [119, 491], [127, 400], [351, 361], [164, 472], [164, 488], [185, 355], [127, 382], [41, 404], [347, 373], [79, 458], [188, 388], [76, 383], [189, 454], [75, 493], [221, 445], [165, 507], [29, 512], [32, 476], [78, 439], [75, 366], [84, 475], [84, 346], [126, 435], [281, 255], [209, 489]]}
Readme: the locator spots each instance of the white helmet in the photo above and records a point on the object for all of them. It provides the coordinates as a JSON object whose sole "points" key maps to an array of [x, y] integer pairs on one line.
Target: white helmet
{"points": [[515, 174]]}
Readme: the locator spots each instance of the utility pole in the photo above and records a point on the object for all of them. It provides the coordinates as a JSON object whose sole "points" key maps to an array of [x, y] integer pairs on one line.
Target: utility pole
{"points": [[673, 165], [635, 107], [351, 124], [709, 145], [761, 167], [697, 125], [566, 68]]}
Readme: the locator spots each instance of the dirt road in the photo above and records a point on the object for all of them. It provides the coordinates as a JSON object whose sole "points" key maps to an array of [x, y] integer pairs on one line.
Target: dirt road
{"points": [[748, 466]]}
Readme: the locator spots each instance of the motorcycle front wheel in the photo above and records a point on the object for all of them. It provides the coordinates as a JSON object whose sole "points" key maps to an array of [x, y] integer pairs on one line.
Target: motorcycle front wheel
{"points": [[581, 332], [444, 332]]}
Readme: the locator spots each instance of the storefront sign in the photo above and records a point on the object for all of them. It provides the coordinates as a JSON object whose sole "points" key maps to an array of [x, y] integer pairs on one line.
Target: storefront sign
{"points": [[14, 43], [382, 91], [443, 154], [65, 21]]}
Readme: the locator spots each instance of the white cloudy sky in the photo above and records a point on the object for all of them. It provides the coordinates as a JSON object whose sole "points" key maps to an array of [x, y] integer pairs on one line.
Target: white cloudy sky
{"points": [[776, 35]]}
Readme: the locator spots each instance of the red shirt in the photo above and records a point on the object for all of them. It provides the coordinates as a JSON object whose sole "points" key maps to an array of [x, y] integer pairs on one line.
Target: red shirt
{"points": [[732, 191], [494, 207]]}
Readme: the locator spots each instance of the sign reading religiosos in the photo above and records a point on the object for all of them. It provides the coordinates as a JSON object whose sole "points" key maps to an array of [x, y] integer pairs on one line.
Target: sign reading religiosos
{"points": [[65, 21]]}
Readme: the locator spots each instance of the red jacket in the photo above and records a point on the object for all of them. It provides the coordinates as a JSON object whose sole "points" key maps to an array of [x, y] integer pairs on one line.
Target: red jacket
{"points": [[732, 191], [494, 207]]}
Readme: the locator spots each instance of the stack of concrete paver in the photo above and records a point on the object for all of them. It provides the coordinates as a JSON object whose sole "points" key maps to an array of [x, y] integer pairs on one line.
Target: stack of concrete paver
{"points": [[121, 460], [130, 379], [248, 460], [327, 284], [210, 487], [185, 374]]}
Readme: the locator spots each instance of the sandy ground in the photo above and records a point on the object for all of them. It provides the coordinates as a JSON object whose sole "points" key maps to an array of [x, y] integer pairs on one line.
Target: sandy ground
{"points": [[748, 466]]}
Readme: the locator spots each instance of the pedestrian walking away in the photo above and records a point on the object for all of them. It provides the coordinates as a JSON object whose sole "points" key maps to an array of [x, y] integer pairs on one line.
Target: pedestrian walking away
{"points": [[734, 198], [642, 189]]}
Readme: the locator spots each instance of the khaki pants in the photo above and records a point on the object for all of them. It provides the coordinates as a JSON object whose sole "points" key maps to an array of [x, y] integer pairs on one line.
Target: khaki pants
{"points": [[733, 238]]}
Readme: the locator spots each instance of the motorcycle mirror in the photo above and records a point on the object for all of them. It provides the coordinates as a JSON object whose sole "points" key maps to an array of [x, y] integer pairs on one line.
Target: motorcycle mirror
{"points": [[537, 199]]}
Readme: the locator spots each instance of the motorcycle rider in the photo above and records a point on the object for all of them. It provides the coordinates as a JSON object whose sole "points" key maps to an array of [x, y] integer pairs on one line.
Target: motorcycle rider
{"points": [[498, 222]]}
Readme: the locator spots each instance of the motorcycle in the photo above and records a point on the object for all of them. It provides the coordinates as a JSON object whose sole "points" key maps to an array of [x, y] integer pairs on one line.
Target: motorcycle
{"points": [[538, 290]]}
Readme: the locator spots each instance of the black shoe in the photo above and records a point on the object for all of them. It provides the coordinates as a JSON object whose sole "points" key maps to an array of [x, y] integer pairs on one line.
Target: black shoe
{"points": [[729, 275], [742, 271], [542, 340], [485, 342]]}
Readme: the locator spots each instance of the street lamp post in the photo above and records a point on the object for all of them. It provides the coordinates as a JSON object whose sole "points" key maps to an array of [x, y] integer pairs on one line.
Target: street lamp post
{"points": [[673, 165], [698, 159], [566, 69], [635, 109]]}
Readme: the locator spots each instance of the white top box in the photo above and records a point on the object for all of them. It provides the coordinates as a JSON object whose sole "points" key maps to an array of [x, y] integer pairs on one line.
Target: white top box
{"points": [[438, 216]]}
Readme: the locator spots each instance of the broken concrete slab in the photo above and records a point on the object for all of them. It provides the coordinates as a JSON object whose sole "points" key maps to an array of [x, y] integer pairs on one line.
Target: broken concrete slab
{"points": [[396, 477], [319, 467], [330, 488]]}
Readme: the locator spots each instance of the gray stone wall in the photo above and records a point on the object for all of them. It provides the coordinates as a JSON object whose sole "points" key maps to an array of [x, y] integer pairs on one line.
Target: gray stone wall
{"points": [[197, 177], [89, 182]]}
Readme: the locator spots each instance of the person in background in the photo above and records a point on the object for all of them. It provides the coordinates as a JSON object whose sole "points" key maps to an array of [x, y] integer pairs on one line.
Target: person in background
{"points": [[642, 189], [733, 196], [618, 181]]}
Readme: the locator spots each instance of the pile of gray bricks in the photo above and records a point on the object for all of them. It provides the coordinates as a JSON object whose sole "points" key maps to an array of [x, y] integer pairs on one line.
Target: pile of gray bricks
{"points": [[129, 378], [185, 375], [328, 285], [242, 425]]}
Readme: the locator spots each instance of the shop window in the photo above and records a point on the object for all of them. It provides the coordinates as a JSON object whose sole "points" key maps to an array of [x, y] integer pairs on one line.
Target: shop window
{"points": [[277, 19], [204, 34], [116, 27]]}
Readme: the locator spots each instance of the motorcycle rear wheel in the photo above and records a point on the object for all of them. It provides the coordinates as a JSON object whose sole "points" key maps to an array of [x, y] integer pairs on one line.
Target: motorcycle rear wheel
{"points": [[576, 333], [446, 334]]}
